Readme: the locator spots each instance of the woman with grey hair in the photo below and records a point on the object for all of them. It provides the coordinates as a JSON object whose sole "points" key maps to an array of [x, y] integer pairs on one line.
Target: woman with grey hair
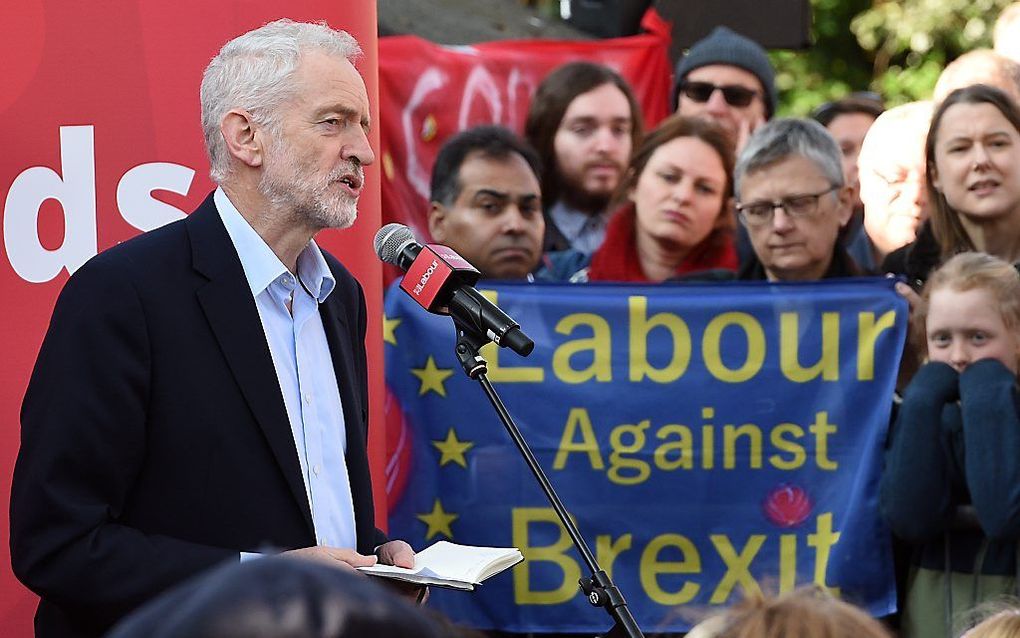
{"points": [[793, 200]]}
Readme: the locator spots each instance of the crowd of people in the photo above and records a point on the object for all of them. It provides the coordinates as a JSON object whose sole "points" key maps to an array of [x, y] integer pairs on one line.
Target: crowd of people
{"points": [[721, 190]]}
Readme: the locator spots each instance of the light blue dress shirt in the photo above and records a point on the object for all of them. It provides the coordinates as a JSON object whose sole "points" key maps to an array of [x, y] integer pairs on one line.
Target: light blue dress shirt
{"points": [[584, 231], [304, 368]]}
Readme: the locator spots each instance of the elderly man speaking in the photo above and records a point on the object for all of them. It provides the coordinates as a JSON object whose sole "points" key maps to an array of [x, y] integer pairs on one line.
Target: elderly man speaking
{"points": [[201, 395]]}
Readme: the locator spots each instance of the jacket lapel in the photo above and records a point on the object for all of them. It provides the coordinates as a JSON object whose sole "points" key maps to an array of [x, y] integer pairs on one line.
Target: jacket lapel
{"points": [[230, 309]]}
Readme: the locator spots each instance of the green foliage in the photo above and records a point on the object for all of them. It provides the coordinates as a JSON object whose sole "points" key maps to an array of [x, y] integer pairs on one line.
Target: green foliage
{"points": [[897, 48]]}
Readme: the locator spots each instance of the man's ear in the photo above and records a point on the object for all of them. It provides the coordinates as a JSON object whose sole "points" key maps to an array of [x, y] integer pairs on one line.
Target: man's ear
{"points": [[244, 139], [437, 222]]}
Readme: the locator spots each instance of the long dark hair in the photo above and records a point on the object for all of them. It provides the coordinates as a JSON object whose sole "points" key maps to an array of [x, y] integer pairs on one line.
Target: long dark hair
{"points": [[945, 220], [549, 105]]}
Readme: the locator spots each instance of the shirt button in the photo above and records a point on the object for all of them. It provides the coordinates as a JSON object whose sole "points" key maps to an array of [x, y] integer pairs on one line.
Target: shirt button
{"points": [[315, 469], [308, 397], [287, 281]]}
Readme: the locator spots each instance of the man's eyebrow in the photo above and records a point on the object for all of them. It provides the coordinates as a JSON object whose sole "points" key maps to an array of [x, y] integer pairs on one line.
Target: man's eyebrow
{"points": [[345, 112], [595, 119], [488, 192]]}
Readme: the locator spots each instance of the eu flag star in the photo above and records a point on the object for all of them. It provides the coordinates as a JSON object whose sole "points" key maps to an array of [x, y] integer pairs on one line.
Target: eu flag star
{"points": [[389, 329], [453, 449], [438, 521], [432, 377]]}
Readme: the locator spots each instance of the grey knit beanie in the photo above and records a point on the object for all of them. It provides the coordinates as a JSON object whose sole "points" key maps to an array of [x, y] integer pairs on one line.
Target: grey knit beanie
{"points": [[726, 46]]}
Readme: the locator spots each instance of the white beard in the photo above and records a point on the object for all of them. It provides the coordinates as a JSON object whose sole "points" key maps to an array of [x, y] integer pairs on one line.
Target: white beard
{"points": [[292, 185]]}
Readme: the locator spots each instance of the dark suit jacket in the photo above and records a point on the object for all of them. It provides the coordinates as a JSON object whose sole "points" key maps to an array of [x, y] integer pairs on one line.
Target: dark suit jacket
{"points": [[155, 442]]}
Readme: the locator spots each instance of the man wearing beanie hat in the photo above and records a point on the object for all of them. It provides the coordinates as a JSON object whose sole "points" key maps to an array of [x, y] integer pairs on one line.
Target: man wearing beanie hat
{"points": [[728, 78]]}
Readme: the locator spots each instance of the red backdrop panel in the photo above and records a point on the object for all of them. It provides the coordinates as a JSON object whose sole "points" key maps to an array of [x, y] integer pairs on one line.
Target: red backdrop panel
{"points": [[99, 114]]}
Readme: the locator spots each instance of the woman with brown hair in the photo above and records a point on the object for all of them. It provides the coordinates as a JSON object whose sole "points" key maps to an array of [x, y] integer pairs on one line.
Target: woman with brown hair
{"points": [[973, 182], [674, 216]]}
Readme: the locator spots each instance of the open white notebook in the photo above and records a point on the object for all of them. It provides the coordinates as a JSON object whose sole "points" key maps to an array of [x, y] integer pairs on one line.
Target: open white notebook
{"points": [[450, 565]]}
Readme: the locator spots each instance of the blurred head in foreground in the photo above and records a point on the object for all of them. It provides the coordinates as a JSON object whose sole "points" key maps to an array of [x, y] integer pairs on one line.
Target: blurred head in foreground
{"points": [[278, 598], [808, 612]]}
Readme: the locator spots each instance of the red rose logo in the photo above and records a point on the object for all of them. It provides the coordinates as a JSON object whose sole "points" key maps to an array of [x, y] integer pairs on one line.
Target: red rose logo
{"points": [[787, 506]]}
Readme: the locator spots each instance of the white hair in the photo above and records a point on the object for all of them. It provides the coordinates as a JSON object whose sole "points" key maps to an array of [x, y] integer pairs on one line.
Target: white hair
{"points": [[254, 72]]}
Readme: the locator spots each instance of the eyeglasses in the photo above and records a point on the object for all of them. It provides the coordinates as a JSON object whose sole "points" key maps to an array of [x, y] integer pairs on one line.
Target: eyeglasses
{"points": [[734, 94], [796, 206]]}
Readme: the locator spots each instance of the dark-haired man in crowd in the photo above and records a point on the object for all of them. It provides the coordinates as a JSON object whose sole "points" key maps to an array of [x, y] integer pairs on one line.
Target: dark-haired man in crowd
{"points": [[583, 122], [848, 121], [486, 203]]}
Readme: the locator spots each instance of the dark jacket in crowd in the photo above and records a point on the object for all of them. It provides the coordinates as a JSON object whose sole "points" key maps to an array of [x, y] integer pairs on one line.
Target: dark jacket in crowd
{"points": [[916, 260], [951, 489], [842, 265]]}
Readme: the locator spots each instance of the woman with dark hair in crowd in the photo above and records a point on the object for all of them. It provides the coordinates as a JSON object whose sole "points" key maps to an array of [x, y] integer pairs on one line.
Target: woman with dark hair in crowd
{"points": [[973, 183], [675, 216]]}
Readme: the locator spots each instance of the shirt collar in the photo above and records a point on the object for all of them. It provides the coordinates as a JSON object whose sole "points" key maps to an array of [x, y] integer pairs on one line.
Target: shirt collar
{"points": [[261, 265], [572, 223]]}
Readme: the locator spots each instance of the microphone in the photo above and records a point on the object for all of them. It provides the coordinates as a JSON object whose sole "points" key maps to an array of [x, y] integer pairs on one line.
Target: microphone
{"points": [[442, 282]]}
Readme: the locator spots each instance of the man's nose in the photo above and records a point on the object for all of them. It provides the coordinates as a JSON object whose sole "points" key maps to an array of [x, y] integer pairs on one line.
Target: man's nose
{"points": [[604, 139], [717, 103], [781, 220], [913, 190], [513, 220], [358, 149]]}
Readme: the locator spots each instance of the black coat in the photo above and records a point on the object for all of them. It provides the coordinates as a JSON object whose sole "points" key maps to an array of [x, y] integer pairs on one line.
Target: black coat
{"points": [[916, 260]]}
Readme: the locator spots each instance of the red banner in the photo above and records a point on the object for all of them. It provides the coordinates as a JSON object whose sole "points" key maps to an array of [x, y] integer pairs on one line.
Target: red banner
{"points": [[99, 113], [428, 92]]}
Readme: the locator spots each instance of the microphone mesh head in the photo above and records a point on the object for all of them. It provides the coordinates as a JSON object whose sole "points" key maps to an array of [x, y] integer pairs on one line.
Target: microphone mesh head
{"points": [[390, 240]]}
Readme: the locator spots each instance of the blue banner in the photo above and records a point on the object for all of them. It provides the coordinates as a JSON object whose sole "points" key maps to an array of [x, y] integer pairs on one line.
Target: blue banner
{"points": [[709, 440]]}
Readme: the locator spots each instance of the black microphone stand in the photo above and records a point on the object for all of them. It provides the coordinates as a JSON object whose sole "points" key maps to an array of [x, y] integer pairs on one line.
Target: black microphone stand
{"points": [[599, 587]]}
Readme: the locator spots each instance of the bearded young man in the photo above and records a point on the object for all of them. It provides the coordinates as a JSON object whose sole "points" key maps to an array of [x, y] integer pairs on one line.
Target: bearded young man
{"points": [[583, 121]]}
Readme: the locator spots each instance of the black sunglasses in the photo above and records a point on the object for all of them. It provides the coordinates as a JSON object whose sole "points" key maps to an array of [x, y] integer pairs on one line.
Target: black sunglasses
{"points": [[734, 94]]}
